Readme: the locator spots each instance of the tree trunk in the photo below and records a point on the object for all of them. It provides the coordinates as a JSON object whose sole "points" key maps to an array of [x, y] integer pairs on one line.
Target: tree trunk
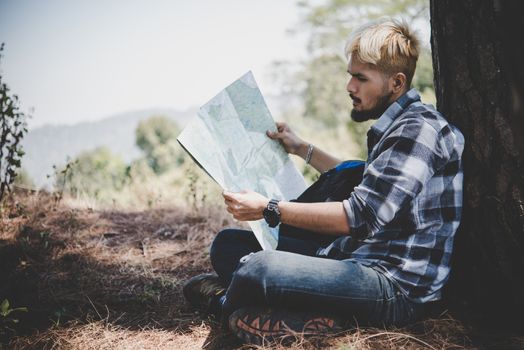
{"points": [[478, 81]]}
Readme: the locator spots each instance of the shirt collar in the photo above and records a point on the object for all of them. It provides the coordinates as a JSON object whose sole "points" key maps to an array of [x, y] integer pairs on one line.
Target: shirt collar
{"points": [[393, 111]]}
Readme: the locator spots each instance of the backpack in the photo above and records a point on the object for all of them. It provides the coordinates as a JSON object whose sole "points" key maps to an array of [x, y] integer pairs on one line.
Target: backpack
{"points": [[334, 185]]}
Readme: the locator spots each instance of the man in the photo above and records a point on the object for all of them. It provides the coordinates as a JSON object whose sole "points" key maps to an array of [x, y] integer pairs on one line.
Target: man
{"points": [[391, 239]]}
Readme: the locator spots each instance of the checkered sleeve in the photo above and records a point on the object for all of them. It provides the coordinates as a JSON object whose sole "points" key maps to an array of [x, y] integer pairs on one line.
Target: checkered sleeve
{"points": [[406, 160]]}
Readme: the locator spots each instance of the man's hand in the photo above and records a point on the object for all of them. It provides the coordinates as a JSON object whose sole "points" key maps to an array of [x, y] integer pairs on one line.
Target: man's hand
{"points": [[245, 205], [291, 142]]}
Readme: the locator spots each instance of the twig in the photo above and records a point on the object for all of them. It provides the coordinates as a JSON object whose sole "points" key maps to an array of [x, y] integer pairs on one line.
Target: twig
{"points": [[94, 307], [396, 334]]}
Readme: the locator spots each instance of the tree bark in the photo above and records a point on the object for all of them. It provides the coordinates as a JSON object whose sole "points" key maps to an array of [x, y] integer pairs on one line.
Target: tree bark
{"points": [[477, 67]]}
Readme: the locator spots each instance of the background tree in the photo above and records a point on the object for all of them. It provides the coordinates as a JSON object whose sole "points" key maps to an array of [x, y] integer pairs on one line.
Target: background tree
{"points": [[13, 127], [478, 58], [23, 179], [156, 137], [95, 173]]}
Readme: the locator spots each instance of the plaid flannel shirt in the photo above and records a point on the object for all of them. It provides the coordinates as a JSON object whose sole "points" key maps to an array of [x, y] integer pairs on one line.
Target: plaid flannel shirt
{"points": [[405, 212]]}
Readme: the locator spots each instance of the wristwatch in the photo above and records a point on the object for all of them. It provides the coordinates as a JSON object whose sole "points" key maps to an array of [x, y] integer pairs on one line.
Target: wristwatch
{"points": [[272, 213]]}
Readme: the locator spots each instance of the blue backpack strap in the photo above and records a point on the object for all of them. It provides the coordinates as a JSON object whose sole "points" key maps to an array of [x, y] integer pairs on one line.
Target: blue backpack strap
{"points": [[349, 164]]}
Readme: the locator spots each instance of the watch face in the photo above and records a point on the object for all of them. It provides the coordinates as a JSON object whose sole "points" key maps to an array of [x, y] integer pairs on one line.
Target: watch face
{"points": [[272, 206], [272, 214]]}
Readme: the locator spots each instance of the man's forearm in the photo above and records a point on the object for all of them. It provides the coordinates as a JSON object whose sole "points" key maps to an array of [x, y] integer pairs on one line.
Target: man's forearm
{"points": [[320, 160], [328, 218]]}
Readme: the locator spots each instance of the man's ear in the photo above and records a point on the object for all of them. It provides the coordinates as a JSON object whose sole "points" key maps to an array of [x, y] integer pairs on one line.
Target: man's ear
{"points": [[398, 82]]}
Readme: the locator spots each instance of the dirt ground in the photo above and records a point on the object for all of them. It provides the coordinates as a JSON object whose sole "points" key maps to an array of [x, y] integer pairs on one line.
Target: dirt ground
{"points": [[111, 279]]}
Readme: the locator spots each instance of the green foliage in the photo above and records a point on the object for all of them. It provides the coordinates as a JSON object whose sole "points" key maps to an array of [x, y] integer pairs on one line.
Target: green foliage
{"points": [[310, 175], [103, 176], [324, 95], [156, 137], [24, 179], [6, 317], [153, 290], [13, 128], [196, 189], [140, 171], [93, 173], [61, 178], [329, 24], [359, 133], [423, 78], [6, 310]]}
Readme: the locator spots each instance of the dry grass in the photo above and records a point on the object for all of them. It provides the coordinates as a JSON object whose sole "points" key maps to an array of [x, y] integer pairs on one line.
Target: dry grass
{"points": [[98, 335], [439, 333], [110, 279], [110, 272]]}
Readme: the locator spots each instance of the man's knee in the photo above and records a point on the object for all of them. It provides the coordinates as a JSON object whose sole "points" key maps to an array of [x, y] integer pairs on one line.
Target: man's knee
{"points": [[232, 240], [259, 267], [225, 236], [222, 239]]}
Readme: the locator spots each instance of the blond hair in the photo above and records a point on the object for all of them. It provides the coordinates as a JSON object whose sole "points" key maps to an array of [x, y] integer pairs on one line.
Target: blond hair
{"points": [[388, 44]]}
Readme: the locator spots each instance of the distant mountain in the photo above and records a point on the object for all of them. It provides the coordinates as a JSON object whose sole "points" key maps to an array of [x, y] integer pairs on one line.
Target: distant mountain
{"points": [[52, 144]]}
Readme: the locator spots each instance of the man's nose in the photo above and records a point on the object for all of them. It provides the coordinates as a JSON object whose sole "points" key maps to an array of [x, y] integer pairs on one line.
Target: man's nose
{"points": [[350, 87]]}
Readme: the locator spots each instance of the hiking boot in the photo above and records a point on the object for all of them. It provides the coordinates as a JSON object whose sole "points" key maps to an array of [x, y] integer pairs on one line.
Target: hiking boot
{"points": [[256, 325], [204, 291]]}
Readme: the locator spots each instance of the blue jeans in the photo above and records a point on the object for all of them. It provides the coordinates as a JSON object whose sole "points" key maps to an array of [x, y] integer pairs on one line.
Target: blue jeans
{"points": [[292, 277]]}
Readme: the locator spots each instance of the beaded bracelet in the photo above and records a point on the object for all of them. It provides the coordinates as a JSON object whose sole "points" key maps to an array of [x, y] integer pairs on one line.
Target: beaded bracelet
{"points": [[309, 153]]}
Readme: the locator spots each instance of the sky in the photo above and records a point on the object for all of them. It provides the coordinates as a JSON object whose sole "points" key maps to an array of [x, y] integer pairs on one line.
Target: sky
{"points": [[73, 60]]}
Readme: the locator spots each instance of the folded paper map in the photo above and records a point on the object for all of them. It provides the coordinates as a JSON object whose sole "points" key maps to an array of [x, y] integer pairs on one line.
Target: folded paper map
{"points": [[228, 140]]}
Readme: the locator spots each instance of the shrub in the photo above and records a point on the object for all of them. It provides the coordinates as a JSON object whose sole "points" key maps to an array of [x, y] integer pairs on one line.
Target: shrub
{"points": [[13, 127]]}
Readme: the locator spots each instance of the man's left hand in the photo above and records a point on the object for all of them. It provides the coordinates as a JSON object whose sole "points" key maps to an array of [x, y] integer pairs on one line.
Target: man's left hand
{"points": [[245, 205]]}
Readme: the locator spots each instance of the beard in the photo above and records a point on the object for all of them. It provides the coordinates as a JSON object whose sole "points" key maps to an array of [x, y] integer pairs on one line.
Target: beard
{"points": [[374, 112]]}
